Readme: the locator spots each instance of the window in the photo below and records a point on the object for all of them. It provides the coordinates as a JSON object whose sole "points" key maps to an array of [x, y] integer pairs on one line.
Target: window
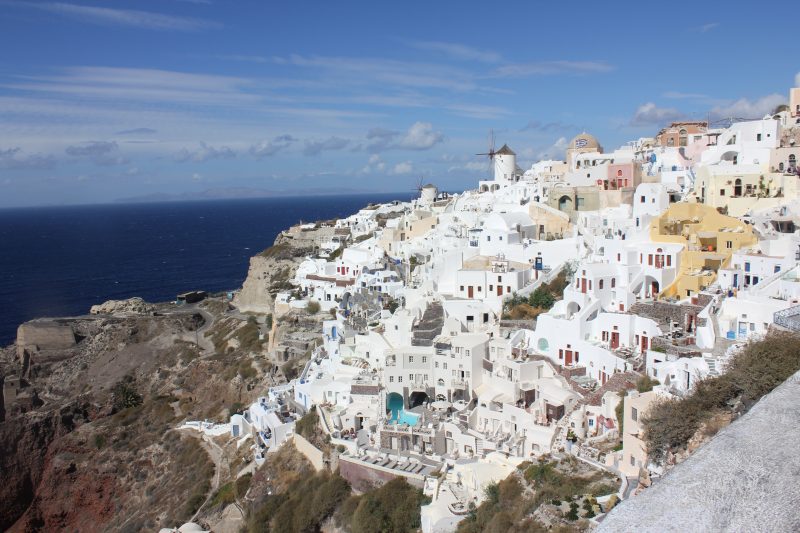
{"points": [[462, 288], [391, 379], [758, 136], [444, 366], [619, 257], [410, 358], [722, 192], [634, 414], [411, 377], [642, 200], [499, 279], [633, 461], [467, 353], [436, 364], [399, 379], [601, 284], [669, 260], [729, 244], [777, 268], [424, 359], [613, 282], [480, 289]]}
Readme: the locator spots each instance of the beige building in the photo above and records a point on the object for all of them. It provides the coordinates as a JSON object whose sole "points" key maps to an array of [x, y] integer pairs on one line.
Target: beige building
{"points": [[794, 102], [634, 450], [549, 223], [571, 200]]}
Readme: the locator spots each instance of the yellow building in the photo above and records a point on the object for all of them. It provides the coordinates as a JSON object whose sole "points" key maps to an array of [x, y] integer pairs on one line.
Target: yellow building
{"points": [[709, 240]]}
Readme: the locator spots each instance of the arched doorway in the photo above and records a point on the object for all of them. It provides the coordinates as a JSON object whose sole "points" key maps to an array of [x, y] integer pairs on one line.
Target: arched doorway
{"points": [[792, 162], [394, 404], [416, 398], [737, 187], [572, 308], [565, 203]]}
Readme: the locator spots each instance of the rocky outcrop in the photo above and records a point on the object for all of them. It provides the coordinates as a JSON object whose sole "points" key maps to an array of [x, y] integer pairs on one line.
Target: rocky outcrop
{"points": [[271, 270], [45, 335], [131, 306]]}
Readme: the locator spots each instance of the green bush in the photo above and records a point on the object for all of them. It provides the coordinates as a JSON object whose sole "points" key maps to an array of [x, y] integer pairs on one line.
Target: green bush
{"points": [[393, 507], [313, 307], [756, 370], [124, 394]]}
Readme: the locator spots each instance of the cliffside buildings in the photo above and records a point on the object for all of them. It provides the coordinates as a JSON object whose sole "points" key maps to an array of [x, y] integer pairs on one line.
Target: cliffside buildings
{"points": [[671, 250]]}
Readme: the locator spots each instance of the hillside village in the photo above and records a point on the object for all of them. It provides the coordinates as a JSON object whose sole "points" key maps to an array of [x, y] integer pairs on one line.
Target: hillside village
{"points": [[469, 333]]}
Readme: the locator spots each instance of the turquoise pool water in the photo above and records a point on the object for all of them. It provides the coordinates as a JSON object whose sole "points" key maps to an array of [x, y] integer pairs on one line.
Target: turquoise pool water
{"points": [[394, 403], [404, 417]]}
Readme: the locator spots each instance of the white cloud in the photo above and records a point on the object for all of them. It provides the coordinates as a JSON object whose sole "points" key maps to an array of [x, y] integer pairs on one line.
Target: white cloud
{"points": [[650, 114], [744, 108], [554, 151], [100, 152], [707, 27], [403, 168], [203, 153], [14, 158], [268, 148], [374, 165], [121, 17], [420, 136]]}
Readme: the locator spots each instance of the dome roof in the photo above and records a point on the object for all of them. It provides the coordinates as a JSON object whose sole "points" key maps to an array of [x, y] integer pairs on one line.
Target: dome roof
{"points": [[584, 141]]}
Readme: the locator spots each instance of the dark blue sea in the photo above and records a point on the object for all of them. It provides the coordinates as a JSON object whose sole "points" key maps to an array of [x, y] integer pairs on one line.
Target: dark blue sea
{"points": [[59, 261]]}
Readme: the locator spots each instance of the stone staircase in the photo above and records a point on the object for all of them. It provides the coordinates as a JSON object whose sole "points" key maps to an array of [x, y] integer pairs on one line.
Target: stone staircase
{"points": [[429, 326]]}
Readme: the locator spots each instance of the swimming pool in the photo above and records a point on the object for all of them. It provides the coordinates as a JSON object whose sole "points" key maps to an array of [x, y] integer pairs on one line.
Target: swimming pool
{"points": [[404, 417], [394, 403]]}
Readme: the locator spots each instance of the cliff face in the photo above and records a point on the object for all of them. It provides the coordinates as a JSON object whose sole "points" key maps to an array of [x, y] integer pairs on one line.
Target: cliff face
{"points": [[271, 270], [26, 442], [81, 459]]}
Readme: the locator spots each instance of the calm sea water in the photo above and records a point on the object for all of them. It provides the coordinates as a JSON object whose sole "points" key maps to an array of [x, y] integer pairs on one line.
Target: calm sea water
{"points": [[59, 261]]}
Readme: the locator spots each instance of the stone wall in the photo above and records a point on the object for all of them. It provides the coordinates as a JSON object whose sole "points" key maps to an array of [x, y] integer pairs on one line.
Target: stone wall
{"points": [[363, 477]]}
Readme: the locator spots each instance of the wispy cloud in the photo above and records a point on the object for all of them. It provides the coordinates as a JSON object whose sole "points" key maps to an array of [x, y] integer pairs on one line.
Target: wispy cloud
{"points": [[137, 131], [547, 127], [707, 27], [242, 58], [544, 68], [120, 17], [458, 51]]}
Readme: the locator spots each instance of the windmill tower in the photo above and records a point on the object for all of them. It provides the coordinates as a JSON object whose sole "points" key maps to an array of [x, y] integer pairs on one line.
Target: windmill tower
{"points": [[502, 162]]}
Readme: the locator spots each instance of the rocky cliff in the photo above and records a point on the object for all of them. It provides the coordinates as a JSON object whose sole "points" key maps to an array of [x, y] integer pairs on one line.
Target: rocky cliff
{"points": [[271, 270]]}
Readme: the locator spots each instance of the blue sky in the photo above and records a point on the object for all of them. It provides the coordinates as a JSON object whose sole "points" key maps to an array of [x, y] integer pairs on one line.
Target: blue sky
{"points": [[107, 99]]}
